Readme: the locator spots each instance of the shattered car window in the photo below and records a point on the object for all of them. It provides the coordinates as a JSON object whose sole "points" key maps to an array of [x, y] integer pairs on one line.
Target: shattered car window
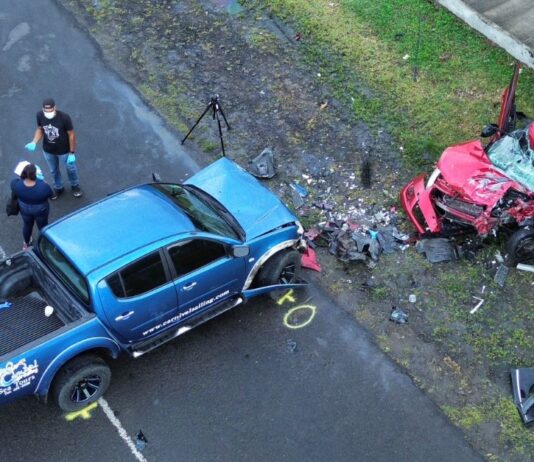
{"points": [[512, 155]]}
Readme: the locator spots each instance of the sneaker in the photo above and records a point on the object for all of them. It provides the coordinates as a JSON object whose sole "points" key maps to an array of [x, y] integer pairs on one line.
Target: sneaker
{"points": [[25, 246], [57, 193], [77, 191]]}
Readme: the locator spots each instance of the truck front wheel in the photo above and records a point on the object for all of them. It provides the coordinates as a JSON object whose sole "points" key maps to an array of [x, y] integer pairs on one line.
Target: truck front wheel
{"points": [[282, 268], [81, 382]]}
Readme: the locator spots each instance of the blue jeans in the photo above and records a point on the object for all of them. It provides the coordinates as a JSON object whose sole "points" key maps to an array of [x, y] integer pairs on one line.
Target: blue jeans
{"points": [[33, 213], [54, 161]]}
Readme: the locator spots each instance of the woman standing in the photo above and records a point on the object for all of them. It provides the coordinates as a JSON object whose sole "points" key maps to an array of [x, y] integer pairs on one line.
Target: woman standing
{"points": [[33, 195]]}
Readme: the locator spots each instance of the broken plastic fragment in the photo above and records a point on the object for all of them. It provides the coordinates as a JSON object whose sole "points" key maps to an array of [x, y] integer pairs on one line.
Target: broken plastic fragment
{"points": [[437, 250], [297, 199], [263, 165], [312, 233], [500, 275], [522, 383], [478, 305], [309, 260], [398, 316], [522, 267], [301, 190], [324, 205]]}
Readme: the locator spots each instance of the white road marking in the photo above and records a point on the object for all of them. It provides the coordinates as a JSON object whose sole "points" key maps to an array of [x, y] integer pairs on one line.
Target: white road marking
{"points": [[120, 429], [2, 253]]}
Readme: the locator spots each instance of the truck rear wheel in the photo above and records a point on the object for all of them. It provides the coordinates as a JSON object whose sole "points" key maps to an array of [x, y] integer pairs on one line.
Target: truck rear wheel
{"points": [[520, 246], [282, 268], [81, 382]]}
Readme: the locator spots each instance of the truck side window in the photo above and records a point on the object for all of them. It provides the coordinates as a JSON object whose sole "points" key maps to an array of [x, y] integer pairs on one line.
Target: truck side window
{"points": [[139, 277], [191, 255]]}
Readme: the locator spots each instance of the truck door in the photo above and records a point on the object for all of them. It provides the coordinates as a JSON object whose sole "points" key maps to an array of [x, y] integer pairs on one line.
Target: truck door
{"points": [[205, 274], [139, 298]]}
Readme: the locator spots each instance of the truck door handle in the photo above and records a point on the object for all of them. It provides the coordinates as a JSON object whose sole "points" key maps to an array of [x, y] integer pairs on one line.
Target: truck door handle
{"points": [[124, 316], [189, 286]]}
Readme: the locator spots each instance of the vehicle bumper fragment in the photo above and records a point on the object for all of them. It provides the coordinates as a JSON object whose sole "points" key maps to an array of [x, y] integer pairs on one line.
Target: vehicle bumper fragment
{"points": [[416, 201], [437, 250], [522, 382], [298, 284]]}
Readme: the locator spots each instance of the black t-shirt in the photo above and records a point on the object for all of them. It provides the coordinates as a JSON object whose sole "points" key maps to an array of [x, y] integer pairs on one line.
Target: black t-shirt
{"points": [[55, 139]]}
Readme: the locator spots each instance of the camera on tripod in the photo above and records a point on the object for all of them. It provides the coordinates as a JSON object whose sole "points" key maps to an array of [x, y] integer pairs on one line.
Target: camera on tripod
{"points": [[215, 106]]}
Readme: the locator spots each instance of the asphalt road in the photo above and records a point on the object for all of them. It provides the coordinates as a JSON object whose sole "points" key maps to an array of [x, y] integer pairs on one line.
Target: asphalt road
{"points": [[120, 140], [247, 385]]}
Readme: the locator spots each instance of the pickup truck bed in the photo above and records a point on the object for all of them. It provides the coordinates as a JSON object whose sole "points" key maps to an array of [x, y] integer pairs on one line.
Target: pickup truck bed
{"points": [[24, 322], [24, 284]]}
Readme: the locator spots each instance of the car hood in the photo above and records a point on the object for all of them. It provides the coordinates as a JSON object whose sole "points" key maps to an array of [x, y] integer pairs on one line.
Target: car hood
{"points": [[254, 206], [467, 169]]}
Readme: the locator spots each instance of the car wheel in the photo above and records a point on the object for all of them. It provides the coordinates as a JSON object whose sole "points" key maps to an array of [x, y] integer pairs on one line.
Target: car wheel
{"points": [[282, 268], [81, 382], [520, 246]]}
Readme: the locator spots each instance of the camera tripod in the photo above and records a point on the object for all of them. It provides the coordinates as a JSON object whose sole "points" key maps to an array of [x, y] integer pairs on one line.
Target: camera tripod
{"points": [[215, 105]]}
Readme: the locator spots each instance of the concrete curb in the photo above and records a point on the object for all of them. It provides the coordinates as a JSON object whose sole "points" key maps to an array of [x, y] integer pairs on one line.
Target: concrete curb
{"points": [[491, 30]]}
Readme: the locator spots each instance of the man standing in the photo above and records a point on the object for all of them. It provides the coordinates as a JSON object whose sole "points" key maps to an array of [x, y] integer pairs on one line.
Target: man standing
{"points": [[59, 145]]}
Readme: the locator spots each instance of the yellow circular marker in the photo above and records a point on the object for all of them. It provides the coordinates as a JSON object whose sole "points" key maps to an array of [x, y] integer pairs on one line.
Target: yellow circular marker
{"points": [[297, 317]]}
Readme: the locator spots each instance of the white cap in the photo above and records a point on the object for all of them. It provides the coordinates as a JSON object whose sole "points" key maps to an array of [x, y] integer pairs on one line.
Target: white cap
{"points": [[20, 167]]}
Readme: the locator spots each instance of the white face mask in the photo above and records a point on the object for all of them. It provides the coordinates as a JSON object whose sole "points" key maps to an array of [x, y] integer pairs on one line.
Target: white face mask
{"points": [[49, 115]]}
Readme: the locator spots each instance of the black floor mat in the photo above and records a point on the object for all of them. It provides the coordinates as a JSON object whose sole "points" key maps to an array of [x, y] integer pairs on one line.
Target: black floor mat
{"points": [[25, 322]]}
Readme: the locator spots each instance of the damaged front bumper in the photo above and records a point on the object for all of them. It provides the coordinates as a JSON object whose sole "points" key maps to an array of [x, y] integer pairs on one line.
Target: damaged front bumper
{"points": [[432, 206], [416, 201], [522, 384]]}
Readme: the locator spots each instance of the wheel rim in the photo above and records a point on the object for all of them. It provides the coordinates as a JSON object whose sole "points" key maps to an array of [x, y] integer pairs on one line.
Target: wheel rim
{"points": [[85, 389], [525, 249], [288, 274]]}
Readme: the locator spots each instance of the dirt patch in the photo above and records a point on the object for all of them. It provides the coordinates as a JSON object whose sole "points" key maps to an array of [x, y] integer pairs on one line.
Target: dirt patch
{"points": [[179, 54]]}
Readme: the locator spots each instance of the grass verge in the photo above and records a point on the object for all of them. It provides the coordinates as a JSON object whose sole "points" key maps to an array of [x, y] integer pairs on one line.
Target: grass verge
{"points": [[432, 79]]}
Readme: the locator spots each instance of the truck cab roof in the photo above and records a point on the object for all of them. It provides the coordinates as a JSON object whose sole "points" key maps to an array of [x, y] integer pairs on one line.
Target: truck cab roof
{"points": [[117, 225]]}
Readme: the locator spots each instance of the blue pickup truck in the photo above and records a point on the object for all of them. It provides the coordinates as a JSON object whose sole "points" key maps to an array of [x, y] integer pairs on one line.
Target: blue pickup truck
{"points": [[133, 271]]}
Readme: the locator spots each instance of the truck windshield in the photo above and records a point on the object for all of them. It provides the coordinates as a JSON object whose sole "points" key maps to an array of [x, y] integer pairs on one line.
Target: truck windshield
{"points": [[205, 212], [64, 269]]}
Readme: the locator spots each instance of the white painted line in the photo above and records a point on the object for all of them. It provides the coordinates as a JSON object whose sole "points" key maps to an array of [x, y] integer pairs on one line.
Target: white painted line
{"points": [[122, 432], [2, 253]]}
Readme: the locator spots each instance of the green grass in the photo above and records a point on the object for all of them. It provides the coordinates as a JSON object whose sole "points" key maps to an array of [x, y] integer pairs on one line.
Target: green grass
{"points": [[511, 431], [377, 44]]}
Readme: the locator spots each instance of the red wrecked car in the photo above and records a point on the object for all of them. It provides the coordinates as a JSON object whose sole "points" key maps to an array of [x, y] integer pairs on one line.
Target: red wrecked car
{"points": [[482, 188]]}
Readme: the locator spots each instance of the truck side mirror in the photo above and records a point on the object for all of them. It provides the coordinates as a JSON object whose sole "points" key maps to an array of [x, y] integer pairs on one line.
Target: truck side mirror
{"points": [[239, 251], [489, 130]]}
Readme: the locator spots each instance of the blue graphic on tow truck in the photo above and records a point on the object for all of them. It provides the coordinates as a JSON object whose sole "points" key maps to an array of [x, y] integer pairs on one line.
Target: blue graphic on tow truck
{"points": [[135, 270]]}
